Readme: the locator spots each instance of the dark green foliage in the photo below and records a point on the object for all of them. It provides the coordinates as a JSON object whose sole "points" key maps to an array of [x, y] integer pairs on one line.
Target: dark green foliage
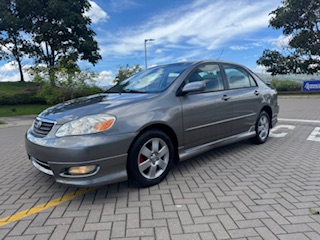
{"points": [[279, 64], [63, 30], [58, 33], [72, 83], [299, 19], [286, 85], [13, 93], [54, 95]]}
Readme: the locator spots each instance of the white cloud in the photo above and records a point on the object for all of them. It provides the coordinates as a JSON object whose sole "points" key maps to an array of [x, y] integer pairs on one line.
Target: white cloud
{"points": [[260, 69], [201, 27], [9, 72], [10, 77], [282, 41], [96, 13], [183, 60], [121, 5], [105, 78], [239, 48], [9, 67]]}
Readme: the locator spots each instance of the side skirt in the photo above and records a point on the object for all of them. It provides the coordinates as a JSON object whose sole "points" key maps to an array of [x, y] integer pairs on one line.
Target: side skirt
{"points": [[185, 154]]}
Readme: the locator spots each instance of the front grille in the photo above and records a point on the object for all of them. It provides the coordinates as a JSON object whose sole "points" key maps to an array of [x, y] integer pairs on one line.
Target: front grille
{"points": [[42, 128]]}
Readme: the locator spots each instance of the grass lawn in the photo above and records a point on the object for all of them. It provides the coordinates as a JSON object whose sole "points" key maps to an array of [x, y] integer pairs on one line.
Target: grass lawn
{"points": [[14, 87], [2, 122], [17, 110]]}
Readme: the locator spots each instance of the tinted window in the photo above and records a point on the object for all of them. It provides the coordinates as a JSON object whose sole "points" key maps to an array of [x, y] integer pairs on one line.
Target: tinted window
{"points": [[210, 74], [238, 77]]}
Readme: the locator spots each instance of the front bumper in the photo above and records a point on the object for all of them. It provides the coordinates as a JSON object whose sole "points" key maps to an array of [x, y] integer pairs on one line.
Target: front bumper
{"points": [[54, 156]]}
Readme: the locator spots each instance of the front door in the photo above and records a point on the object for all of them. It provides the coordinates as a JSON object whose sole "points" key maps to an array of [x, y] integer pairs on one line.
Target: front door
{"points": [[207, 115]]}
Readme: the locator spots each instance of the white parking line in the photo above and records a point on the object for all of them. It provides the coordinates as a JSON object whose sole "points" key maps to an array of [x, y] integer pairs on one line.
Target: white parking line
{"points": [[298, 120]]}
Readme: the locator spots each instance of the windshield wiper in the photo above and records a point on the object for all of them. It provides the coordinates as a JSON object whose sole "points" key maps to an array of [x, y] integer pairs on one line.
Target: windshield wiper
{"points": [[132, 91]]}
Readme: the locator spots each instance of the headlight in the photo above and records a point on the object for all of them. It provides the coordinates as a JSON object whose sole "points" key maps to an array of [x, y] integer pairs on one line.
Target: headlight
{"points": [[86, 125]]}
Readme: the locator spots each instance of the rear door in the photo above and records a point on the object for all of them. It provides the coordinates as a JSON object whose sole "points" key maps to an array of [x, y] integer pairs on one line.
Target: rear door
{"points": [[207, 115], [245, 96]]}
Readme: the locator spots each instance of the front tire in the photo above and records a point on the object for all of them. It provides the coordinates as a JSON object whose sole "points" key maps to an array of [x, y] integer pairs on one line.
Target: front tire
{"points": [[150, 158], [262, 128]]}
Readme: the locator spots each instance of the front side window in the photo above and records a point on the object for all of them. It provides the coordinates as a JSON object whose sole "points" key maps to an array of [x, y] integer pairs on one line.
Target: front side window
{"points": [[238, 77], [210, 74]]}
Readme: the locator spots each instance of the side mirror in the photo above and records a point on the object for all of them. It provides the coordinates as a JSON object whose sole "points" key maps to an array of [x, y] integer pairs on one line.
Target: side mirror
{"points": [[192, 87]]}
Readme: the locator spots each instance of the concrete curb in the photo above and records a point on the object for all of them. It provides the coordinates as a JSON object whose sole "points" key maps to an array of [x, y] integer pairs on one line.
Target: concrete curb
{"points": [[298, 97]]}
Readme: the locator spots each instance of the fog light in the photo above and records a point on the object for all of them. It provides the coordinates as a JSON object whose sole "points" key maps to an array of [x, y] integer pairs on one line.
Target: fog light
{"points": [[82, 170]]}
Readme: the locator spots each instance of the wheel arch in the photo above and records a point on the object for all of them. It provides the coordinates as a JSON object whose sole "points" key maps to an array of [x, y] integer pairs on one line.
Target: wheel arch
{"points": [[167, 130], [268, 110]]}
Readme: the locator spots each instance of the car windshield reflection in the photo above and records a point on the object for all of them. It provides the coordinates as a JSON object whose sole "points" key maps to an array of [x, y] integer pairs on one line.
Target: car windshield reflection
{"points": [[153, 80]]}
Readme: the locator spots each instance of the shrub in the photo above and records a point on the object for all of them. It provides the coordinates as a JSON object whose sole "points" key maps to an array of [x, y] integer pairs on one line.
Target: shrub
{"points": [[54, 95], [14, 93], [286, 85], [71, 83]]}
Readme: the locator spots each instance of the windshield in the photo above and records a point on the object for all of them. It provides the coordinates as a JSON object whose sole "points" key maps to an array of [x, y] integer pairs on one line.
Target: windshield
{"points": [[152, 80]]}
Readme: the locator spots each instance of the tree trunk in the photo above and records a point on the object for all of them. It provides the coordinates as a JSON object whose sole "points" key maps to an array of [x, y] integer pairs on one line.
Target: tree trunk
{"points": [[52, 76], [20, 70]]}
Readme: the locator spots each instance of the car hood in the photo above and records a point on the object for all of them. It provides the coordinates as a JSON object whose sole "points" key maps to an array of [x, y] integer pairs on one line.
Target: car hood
{"points": [[90, 105]]}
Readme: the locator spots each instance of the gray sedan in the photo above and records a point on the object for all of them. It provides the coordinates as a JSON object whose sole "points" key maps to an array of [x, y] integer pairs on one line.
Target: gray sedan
{"points": [[140, 127]]}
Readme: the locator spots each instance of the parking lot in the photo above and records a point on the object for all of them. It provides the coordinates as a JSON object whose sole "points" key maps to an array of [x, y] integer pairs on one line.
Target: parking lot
{"points": [[242, 191]]}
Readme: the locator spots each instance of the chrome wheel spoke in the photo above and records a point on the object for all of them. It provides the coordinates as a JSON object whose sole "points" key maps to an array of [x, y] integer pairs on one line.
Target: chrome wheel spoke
{"points": [[263, 121], [155, 145], [163, 151], [263, 127], [152, 171], [144, 165], [146, 152], [260, 129], [153, 158], [262, 134], [162, 164]]}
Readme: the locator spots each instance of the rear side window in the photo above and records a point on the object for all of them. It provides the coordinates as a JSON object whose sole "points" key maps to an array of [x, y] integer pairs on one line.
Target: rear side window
{"points": [[238, 77]]}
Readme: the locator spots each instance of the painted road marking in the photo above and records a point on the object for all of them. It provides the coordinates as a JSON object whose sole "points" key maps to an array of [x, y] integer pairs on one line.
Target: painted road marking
{"points": [[282, 134], [39, 208], [315, 135], [298, 120]]}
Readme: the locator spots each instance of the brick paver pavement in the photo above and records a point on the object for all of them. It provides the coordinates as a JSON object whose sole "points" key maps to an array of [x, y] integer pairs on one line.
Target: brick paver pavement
{"points": [[242, 191]]}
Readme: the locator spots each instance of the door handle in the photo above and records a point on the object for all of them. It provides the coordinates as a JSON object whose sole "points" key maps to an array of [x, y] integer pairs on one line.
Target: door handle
{"points": [[225, 97], [256, 92]]}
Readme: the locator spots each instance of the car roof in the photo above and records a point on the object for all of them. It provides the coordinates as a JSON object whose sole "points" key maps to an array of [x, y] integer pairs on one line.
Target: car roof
{"points": [[190, 63]]}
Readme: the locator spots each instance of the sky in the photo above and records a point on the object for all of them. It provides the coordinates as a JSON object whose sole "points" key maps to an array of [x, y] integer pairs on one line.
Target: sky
{"points": [[183, 30]]}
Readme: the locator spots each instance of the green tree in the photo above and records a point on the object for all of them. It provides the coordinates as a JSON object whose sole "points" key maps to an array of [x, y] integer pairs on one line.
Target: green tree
{"points": [[61, 33], [71, 83], [299, 19], [13, 46], [126, 72]]}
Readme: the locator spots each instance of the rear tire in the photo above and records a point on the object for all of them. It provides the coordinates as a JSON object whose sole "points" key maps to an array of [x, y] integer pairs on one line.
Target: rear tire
{"points": [[262, 128], [150, 158]]}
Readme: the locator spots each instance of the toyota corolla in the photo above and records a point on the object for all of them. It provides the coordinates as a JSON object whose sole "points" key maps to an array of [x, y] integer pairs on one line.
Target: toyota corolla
{"points": [[140, 127]]}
